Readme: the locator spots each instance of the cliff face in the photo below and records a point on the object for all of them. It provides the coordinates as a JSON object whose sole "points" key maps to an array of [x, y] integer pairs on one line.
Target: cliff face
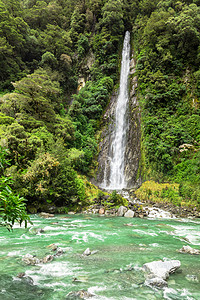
{"points": [[132, 152]]}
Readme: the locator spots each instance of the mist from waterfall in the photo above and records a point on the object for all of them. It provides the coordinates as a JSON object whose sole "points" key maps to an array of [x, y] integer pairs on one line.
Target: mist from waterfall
{"points": [[117, 160]]}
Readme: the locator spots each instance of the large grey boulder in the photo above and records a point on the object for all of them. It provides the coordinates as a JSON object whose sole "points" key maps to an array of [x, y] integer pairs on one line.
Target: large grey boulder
{"points": [[121, 211], [162, 269], [129, 214], [79, 295], [159, 271], [190, 250]]}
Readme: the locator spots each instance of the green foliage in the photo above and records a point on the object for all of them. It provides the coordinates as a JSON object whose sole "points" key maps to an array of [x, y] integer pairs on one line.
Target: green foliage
{"points": [[48, 179], [12, 205], [167, 44], [113, 17], [116, 200], [160, 192], [69, 39], [83, 45], [190, 192]]}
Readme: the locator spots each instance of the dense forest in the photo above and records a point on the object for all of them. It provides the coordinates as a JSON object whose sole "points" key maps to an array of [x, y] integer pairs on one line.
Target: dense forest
{"points": [[60, 62]]}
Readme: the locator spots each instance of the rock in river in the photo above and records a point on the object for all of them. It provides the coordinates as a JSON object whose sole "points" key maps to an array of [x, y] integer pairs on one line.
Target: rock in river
{"points": [[129, 214], [47, 259], [121, 211], [29, 259], [156, 281], [87, 252], [190, 250], [162, 269], [79, 295], [159, 271], [46, 215]]}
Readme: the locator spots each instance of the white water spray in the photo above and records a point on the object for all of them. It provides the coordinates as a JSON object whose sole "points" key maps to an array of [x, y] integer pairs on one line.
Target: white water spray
{"points": [[117, 159]]}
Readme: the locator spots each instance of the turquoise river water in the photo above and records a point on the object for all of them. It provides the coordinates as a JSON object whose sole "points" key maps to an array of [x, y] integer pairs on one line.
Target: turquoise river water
{"points": [[114, 272]]}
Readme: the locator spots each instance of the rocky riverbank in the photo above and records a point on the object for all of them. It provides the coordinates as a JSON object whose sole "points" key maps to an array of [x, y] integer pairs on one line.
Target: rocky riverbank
{"points": [[142, 210], [134, 208]]}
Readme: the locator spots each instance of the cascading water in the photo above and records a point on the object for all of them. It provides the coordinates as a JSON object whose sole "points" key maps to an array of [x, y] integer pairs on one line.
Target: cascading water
{"points": [[116, 160]]}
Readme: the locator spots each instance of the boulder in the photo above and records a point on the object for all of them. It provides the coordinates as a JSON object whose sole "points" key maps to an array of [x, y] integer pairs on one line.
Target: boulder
{"points": [[156, 282], [39, 230], [59, 252], [20, 275], [29, 259], [46, 215], [94, 252], [47, 259], [129, 214], [190, 250], [53, 247], [162, 269], [192, 278], [121, 211], [102, 211], [87, 252], [79, 294]]}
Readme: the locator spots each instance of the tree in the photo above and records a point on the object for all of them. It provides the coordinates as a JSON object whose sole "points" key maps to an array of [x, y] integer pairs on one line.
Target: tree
{"points": [[34, 97], [12, 206], [113, 17]]}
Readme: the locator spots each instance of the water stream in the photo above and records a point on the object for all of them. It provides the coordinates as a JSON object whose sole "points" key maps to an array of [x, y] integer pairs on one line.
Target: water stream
{"points": [[114, 272], [118, 144]]}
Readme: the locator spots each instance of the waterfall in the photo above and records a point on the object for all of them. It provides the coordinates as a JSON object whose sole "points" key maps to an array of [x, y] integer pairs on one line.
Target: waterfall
{"points": [[116, 158]]}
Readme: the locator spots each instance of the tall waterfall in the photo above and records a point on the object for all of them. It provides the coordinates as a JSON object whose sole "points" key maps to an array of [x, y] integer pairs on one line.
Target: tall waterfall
{"points": [[118, 141]]}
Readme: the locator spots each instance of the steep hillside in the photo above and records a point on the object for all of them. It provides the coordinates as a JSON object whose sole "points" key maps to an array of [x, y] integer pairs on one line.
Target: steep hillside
{"points": [[60, 62]]}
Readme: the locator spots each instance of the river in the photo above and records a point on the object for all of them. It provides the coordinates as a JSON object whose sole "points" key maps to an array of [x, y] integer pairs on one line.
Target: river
{"points": [[114, 272]]}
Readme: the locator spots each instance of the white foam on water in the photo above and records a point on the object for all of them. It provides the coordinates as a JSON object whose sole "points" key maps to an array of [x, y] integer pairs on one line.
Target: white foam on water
{"points": [[144, 232], [53, 269], [17, 225], [157, 213], [168, 292], [14, 253], [185, 292], [190, 233], [54, 228], [52, 233], [96, 288], [57, 284], [84, 236], [154, 245], [24, 237], [78, 221]]}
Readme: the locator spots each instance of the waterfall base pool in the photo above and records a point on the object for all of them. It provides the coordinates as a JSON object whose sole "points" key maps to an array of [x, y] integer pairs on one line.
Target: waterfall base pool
{"points": [[113, 272]]}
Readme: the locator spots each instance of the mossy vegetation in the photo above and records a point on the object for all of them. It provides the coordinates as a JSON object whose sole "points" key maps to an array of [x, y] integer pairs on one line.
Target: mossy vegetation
{"points": [[169, 193]]}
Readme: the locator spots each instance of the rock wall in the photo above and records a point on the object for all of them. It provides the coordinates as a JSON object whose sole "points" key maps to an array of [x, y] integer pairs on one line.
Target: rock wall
{"points": [[132, 153]]}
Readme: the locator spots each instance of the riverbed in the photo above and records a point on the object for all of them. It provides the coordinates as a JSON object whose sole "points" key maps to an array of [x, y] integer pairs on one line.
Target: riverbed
{"points": [[114, 271]]}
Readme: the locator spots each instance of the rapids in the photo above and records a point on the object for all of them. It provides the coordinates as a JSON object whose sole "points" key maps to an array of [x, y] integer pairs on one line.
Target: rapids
{"points": [[113, 272]]}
